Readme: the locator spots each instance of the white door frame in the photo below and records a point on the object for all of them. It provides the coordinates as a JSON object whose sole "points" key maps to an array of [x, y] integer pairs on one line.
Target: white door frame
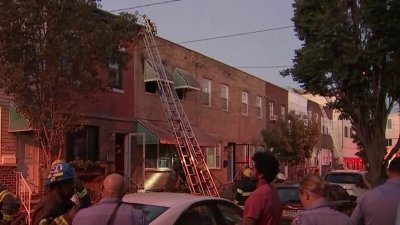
{"points": [[128, 158]]}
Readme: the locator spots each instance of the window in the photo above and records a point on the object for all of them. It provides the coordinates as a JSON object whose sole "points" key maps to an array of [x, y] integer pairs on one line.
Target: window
{"points": [[271, 111], [206, 92], [162, 157], [230, 214], [115, 73], [259, 106], [283, 112], [213, 156], [181, 93], [151, 87], [389, 142], [346, 132], [83, 144], [197, 215], [389, 124], [245, 103], [224, 97]]}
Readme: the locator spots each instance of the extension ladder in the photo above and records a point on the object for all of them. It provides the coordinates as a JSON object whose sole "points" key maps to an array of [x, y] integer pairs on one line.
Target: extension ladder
{"points": [[336, 147], [198, 176]]}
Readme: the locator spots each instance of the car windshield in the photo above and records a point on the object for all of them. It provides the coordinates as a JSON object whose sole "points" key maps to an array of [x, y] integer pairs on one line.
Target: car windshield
{"points": [[289, 194], [344, 178], [150, 212]]}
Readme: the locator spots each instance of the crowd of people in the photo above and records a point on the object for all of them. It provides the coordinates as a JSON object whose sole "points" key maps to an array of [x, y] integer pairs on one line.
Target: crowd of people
{"points": [[68, 202]]}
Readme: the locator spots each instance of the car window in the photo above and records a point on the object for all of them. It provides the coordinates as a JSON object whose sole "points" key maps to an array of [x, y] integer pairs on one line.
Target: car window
{"points": [[289, 194], [231, 215], [344, 178], [197, 215], [150, 212]]}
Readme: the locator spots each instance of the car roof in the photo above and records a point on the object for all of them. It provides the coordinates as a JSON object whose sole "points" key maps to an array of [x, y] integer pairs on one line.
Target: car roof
{"points": [[165, 199], [288, 185], [347, 171]]}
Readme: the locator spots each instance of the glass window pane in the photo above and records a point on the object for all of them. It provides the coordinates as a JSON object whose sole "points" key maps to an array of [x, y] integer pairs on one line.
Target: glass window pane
{"points": [[197, 215], [231, 214]]}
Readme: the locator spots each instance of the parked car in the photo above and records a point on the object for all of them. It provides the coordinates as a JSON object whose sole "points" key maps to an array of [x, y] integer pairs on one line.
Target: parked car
{"points": [[290, 201], [163, 208], [353, 181], [291, 205]]}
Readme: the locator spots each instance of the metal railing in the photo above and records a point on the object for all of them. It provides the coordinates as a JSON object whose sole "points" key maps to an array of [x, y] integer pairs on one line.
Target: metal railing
{"points": [[24, 194]]}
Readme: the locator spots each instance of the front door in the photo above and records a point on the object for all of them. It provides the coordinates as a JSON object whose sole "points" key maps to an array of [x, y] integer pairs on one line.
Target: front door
{"points": [[28, 161]]}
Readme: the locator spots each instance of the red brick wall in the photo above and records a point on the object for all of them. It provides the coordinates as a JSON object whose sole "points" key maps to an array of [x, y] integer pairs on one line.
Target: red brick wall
{"points": [[7, 177]]}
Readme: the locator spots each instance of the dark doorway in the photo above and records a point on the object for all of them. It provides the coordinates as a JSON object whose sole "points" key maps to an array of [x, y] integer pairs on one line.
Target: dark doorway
{"points": [[119, 153]]}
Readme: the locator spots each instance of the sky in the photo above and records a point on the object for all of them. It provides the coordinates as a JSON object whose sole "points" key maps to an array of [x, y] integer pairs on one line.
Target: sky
{"points": [[188, 20]]}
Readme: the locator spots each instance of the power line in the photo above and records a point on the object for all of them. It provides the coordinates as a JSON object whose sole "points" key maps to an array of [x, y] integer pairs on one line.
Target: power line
{"points": [[141, 6], [237, 34]]}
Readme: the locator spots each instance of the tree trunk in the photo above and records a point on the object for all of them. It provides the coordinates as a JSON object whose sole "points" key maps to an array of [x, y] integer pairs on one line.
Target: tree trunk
{"points": [[375, 154]]}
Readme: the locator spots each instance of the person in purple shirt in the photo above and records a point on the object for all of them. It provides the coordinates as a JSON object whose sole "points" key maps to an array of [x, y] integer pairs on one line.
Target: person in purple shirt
{"points": [[318, 210], [379, 205], [110, 204]]}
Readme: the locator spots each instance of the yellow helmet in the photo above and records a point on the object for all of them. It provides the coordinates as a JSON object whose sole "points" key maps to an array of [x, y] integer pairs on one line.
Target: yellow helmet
{"points": [[247, 172]]}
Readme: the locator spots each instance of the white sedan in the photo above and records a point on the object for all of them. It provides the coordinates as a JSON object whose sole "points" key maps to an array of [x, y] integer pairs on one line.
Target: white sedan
{"points": [[162, 208]]}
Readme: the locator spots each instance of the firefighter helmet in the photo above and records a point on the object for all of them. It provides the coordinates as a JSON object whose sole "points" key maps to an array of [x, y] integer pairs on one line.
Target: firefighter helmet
{"points": [[247, 172], [59, 171]]}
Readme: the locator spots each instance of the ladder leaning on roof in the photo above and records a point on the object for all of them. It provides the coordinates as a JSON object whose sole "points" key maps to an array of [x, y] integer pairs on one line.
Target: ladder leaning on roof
{"points": [[336, 147], [198, 175]]}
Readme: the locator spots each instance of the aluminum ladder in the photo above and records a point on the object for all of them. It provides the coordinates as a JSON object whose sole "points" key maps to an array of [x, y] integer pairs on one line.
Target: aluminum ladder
{"points": [[336, 147], [198, 176]]}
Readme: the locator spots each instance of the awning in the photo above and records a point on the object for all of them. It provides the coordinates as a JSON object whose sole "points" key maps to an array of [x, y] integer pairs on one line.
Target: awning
{"points": [[17, 122], [160, 132], [183, 79], [150, 73]]}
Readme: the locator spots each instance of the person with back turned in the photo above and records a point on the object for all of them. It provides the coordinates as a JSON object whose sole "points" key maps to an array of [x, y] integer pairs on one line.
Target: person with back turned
{"points": [[110, 210]]}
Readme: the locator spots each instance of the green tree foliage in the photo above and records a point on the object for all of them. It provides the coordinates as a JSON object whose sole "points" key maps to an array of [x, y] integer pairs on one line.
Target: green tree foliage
{"points": [[294, 139], [50, 54], [350, 54]]}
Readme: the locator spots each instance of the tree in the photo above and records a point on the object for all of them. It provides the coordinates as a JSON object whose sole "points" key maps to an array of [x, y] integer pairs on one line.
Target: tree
{"points": [[50, 52], [294, 140], [350, 55]]}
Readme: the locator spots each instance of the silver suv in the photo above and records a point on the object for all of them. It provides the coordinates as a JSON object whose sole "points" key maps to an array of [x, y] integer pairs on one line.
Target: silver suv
{"points": [[353, 181]]}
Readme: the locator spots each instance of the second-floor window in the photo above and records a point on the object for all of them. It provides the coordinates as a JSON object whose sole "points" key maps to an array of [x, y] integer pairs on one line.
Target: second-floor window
{"points": [[259, 106], [114, 73], [346, 132], [271, 111], [224, 97], [245, 103], [206, 92]]}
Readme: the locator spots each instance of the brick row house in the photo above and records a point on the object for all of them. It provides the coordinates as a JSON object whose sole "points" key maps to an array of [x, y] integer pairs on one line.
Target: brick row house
{"points": [[127, 130]]}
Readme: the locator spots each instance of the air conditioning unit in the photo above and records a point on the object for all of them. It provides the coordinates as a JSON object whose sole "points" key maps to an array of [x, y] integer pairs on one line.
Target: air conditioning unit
{"points": [[273, 117]]}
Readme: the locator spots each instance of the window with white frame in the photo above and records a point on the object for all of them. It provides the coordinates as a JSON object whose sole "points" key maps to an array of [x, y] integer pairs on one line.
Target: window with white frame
{"points": [[115, 72], [271, 111], [245, 103], [206, 92], [389, 142], [259, 106], [224, 97], [213, 156]]}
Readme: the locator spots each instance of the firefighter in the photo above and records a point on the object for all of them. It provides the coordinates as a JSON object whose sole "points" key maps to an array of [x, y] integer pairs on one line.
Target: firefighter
{"points": [[56, 208], [244, 187], [8, 205]]}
